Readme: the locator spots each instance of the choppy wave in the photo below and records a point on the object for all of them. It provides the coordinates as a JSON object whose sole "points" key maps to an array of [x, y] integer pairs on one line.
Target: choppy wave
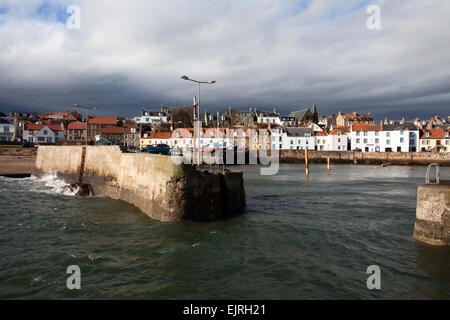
{"points": [[50, 184]]}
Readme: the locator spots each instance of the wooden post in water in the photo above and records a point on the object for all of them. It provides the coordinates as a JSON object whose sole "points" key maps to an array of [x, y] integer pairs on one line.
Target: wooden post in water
{"points": [[306, 162], [328, 163]]}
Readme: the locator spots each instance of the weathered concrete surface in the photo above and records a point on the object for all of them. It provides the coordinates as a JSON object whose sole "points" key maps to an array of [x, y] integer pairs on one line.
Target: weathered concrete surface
{"points": [[394, 158], [162, 189], [433, 214]]}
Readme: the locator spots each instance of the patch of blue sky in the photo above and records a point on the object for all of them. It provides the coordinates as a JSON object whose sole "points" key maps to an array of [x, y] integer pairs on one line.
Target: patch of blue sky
{"points": [[344, 11], [3, 10], [49, 12], [298, 7]]}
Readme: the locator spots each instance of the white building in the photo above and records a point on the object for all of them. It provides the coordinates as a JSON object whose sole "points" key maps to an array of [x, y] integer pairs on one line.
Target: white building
{"points": [[399, 138], [268, 117], [299, 138], [288, 121], [41, 133], [321, 141], [156, 138], [365, 137], [338, 140], [210, 138], [7, 129], [152, 117]]}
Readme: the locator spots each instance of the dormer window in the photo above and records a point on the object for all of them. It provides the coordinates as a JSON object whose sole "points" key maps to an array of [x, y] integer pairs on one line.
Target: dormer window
{"points": [[427, 134]]}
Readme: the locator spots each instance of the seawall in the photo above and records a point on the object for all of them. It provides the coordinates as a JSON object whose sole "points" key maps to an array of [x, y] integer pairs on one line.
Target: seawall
{"points": [[154, 183], [394, 158], [433, 214]]}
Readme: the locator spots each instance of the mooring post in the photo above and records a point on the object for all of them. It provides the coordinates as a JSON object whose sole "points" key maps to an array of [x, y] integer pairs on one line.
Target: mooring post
{"points": [[328, 163], [306, 162]]}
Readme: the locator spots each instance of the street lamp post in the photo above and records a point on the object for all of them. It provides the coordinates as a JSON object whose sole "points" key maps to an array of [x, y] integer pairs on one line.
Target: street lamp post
{"points": [[197, 127], [86, 109]]}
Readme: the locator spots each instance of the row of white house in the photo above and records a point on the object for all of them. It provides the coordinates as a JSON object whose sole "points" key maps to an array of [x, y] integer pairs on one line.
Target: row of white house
{"points": [[360, 137]]}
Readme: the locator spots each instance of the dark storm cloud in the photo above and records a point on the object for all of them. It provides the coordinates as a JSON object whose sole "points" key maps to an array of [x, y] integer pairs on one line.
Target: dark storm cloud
{"points": [[269, 54]]}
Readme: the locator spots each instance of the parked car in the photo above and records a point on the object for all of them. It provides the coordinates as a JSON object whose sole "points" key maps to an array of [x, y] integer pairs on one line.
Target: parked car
{"points": [[159, 149], [27, 144]]}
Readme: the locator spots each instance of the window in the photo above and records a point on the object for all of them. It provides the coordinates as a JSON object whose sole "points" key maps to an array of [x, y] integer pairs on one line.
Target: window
{"points": [[377, 133], [339, 139], [357, 133], [45, 132], [365, 133], [358, 140], [402, 140], [388, 142], [365, 140], [6, 129], [388, 134], [402, 132], [377, 140]]}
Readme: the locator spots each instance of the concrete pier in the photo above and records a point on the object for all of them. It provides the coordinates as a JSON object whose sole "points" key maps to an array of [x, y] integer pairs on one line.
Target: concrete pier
{"points": [[164, 190], [433, 214]]}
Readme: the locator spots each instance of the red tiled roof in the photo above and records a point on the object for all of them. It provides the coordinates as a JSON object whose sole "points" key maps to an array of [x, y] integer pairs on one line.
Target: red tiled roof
{"points": [[335, 132], [37, 127], [158, 135], [365, 127], [357, 116], [434, 134], [112, 130], [76, 126], [103, 120], [321, 134], [345, 129], [65, 116], [32, 126], [56, 128]]}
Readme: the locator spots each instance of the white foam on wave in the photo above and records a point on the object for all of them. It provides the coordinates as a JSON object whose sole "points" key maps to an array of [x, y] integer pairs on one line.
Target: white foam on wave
{"points": [[50, 183]]}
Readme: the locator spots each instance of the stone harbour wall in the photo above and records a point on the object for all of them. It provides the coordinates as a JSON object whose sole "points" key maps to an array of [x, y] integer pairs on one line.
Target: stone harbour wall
{"points": [[394, 158], [154, 183], [433, 214]]}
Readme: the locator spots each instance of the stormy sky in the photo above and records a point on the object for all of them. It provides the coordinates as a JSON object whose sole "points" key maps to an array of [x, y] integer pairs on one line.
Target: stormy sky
{"points": [[268, 54]]}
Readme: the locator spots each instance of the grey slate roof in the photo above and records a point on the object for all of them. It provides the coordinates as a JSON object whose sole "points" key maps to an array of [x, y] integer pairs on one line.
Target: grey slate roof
{"points": [[394, 127], [301, 114], [299, 132]]}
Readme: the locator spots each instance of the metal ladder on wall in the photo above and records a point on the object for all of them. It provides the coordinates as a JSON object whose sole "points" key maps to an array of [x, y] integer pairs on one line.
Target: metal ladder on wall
{"points": [[83, 160], [437, 180]]}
